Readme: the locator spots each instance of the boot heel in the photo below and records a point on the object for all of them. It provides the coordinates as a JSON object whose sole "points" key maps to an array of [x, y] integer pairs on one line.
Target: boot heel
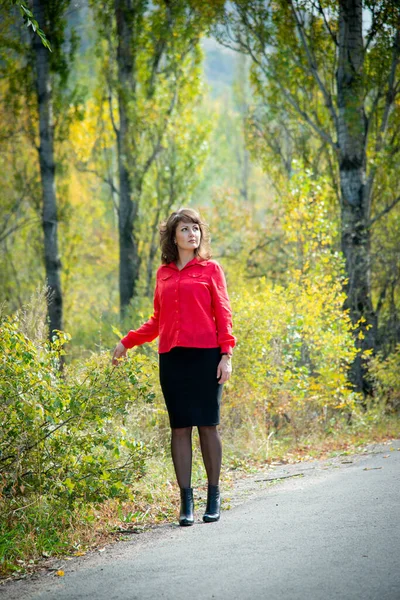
{"points": [[213, 507], [187, 506]]}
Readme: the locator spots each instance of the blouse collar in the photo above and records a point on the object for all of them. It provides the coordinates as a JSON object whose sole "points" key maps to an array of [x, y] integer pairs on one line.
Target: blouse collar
{"points": [[195, 261]]}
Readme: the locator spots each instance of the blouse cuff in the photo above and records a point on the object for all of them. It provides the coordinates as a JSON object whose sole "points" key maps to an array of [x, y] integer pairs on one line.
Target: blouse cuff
{"points": [[225, 349], [127, 341]]}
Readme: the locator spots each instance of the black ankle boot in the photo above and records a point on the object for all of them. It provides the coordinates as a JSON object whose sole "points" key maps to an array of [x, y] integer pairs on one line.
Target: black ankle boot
{"points": [[213, 504], [186, 515]]}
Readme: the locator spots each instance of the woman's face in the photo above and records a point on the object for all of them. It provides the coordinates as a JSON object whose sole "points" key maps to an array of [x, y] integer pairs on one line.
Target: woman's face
{"points": [[187, 236]]}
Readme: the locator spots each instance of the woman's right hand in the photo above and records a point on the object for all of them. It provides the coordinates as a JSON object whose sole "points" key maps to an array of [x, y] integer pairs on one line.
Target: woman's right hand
{"points": [[119, 352]]}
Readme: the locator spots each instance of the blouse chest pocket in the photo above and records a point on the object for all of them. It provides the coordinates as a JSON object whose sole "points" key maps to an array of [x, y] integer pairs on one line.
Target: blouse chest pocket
{"points": [[197, 277], [164, 281]]}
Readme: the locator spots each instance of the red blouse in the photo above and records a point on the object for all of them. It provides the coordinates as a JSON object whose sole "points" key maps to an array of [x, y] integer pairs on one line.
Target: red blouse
{"points": [[191, 309]]}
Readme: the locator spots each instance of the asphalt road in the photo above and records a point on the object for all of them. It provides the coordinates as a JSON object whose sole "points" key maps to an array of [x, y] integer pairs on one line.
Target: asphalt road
{"points": [[331, 532]]}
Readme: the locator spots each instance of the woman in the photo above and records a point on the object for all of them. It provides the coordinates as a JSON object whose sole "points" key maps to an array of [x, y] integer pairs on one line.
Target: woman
{"points": [[192, 317]]}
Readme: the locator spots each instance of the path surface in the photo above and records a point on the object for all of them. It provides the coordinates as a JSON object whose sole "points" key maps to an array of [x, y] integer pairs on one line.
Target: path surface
{"points": [[331, 533]]}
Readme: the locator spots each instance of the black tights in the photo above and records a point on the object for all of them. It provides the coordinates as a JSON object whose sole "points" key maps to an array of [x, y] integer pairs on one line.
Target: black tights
{"points": [[181, 449]]}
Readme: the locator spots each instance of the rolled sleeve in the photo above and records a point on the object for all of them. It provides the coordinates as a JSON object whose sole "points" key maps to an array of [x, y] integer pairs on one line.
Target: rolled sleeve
{"points": [[222, 311]]}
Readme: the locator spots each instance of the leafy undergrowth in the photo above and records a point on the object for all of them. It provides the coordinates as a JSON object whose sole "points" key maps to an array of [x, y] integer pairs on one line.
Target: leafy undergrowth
{"points": [[346, 440], [40, 532]]}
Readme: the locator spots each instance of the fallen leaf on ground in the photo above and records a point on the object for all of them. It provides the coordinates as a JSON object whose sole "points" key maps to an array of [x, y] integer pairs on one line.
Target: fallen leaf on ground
{"points": [[372, 468], [60, 573]]}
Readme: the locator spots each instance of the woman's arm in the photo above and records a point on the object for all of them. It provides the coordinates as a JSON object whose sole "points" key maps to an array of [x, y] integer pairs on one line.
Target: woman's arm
{"points": [[146, 333], [224, 369], [222, 311]]}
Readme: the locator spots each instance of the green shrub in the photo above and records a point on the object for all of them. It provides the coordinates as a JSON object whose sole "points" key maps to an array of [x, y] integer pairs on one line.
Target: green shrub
{"points": [[384, 374], [63, 433]]}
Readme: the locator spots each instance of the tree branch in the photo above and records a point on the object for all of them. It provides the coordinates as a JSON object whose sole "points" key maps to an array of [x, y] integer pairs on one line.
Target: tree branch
{"points": [[288, 95], [109, 98], [391, 93], [373, 29], [159, 48], [382, 296], [321, 11], [83, 169], [384, 211], [373, 110], [157, 145], [6, 233], [29, 447], [313, 66], [293, 102]]}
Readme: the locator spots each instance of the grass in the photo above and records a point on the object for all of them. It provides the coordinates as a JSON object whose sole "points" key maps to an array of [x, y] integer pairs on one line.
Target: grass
{"points": [[42, 529]]}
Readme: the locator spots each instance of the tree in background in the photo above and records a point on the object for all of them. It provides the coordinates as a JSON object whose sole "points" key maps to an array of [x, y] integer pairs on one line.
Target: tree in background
{"points": [[49, 15], [150, 48], [38, 101], [175, 172], [325, 66]]}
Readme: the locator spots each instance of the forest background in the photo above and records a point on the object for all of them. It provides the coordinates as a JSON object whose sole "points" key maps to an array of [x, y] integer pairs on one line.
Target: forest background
{"points": [[280, 122]]}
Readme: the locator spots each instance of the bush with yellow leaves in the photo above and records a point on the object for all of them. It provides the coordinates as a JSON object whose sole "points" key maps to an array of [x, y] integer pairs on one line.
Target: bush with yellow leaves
{"points": [[384, 374], [295, 341]]}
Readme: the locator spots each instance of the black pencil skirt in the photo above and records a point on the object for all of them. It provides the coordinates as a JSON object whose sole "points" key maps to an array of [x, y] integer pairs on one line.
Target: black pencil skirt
{"points": [[188, 378]]}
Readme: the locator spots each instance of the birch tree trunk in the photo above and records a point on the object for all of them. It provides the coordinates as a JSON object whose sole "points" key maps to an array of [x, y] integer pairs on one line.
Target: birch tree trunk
{"points": [[47, 173], [355, 199]]}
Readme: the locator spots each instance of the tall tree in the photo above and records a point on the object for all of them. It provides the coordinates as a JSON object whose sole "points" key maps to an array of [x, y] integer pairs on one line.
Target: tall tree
{"points": [[152, 44], [355, 197], [336, 72], [129, 20], [40, 104], [47, 13], [176, 170]]}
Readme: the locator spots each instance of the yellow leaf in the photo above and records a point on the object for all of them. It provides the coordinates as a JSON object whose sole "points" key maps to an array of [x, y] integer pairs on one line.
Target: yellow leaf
{"points": [[60, 573]]}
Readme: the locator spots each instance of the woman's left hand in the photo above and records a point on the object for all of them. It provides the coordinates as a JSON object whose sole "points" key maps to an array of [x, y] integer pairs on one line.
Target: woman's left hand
{"points": [[224, 369]]}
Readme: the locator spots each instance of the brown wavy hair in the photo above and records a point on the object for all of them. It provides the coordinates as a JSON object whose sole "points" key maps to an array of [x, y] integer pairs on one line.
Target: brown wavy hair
{"points": [[169, 250]]}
